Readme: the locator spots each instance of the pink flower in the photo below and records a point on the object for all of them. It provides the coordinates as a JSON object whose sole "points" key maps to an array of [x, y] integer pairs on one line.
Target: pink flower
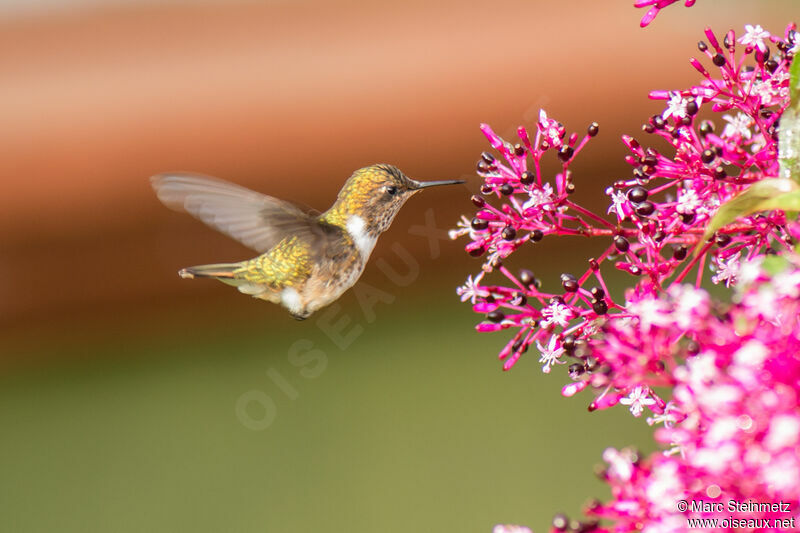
{"points": [[638, 399], [727, 270], [471, 290], [655, 7], [676, 106], [551, 354], [754, 37], [557, 313]]}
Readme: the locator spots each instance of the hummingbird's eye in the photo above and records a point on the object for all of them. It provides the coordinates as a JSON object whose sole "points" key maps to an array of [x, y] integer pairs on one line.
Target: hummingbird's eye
{"points": [[391, 190]]}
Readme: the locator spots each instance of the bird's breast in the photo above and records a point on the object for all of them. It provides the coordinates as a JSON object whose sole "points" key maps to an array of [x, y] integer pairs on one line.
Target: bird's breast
{"points": [[330, 279]]}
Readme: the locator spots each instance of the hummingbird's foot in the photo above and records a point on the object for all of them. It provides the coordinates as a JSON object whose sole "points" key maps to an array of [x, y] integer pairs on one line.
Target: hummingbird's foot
{"points": [[300, 317]]}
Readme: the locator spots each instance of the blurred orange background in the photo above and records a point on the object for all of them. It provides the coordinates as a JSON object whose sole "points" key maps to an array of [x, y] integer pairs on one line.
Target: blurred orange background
{"points": [[286, 98]]}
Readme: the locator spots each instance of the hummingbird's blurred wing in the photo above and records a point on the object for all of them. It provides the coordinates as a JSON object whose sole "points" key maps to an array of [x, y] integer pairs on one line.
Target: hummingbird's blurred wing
{"points": [[254, 219]]}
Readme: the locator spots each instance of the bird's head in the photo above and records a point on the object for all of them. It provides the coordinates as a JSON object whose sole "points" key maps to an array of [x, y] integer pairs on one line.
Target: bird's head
{"points": [[376, 193]]}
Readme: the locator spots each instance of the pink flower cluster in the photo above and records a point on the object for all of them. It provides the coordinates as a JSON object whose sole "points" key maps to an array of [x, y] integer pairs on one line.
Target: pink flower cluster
{"points": [[532, 210], [656, 6], [730, 421], [732, 430], [661, 212]]}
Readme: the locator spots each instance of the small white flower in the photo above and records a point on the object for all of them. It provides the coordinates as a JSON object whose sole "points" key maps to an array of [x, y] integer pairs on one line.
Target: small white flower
{"points": [[542, 116], [728, 271], [618, 203], [651, 312], [464, 227], [701, 369], [550, 354], [754, 36], [781, 472], [549, 129], [658, 419], [509, 528], [539, 197], [762, 301], [669, 417], [688, 302], [758, 143], [737, 126], [556, 313], [688, 202], [752, 354], [750, 270], [676, 106], [720, 395], [765, 91], [722, 429], [717, 459], [471, 290], [590, 329], [620, 463], [796, 48], [708, 207], [492, 258], [781, 77], [638, 399], [783, 432], [787, 283], [663, 489]]}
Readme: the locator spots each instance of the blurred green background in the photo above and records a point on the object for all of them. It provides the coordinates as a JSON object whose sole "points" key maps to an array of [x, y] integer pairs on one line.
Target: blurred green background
{"points": [[132, 400], [413, 427]]}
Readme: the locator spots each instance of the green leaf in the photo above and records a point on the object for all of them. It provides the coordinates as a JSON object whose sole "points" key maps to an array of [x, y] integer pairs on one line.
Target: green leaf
{"points": [[768, 194], [789, 144], [789, 129], [789, 201]]}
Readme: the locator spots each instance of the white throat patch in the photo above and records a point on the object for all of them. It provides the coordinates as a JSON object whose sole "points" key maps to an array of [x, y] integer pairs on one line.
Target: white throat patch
{"points": [[357, 229]]}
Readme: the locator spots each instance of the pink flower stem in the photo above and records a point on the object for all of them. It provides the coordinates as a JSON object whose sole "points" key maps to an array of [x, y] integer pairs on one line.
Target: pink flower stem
{"points": [[589, 214], [700, 267], [511, 276]]}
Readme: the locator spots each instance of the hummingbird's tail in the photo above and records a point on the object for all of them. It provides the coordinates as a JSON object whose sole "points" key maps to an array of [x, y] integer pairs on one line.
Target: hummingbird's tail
{"points": [[228, 273], [221, 271]]}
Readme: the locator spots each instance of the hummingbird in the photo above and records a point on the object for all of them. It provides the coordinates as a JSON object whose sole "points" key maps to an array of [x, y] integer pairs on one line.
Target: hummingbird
{"points": [[307, 260]]}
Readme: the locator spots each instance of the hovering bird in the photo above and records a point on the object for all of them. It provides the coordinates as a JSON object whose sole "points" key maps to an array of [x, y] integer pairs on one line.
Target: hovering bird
{"points": [[307, 261]]}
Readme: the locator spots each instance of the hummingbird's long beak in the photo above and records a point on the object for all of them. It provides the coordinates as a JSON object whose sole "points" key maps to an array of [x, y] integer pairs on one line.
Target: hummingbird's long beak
{"points": [[416, 185]]}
